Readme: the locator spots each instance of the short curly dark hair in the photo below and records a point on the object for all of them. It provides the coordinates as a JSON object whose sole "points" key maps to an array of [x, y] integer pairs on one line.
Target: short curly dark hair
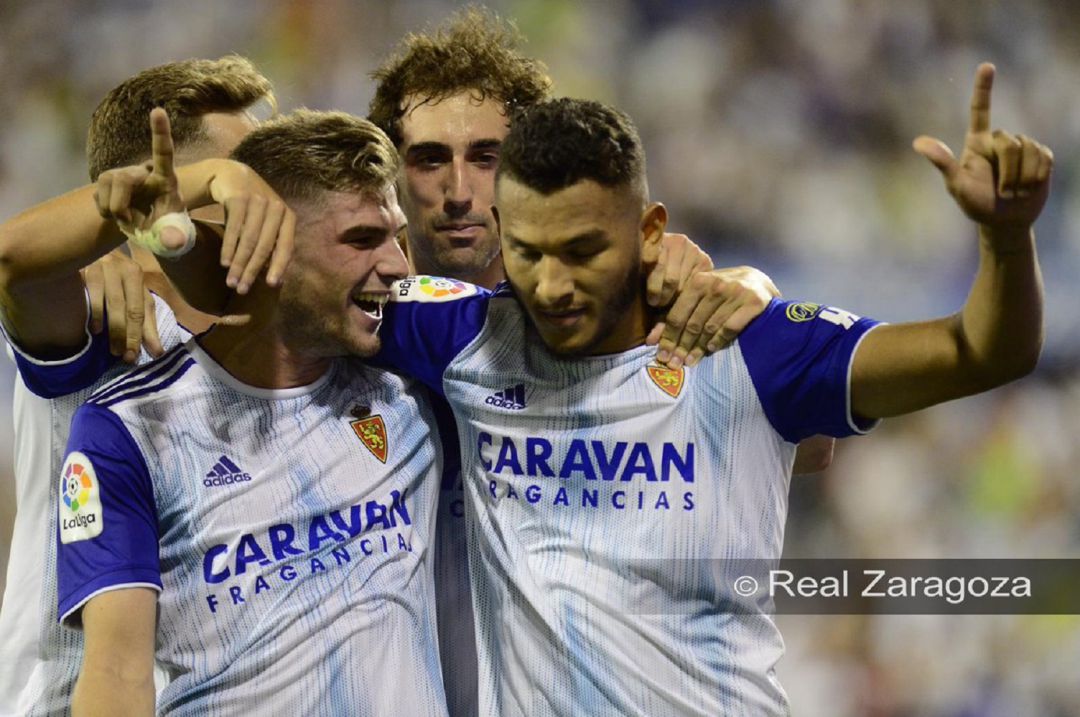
{"points": [[475, 50], [557, 143]]}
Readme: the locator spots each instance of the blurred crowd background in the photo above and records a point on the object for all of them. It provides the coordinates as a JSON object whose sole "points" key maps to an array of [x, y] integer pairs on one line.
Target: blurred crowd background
{"points": [[778, 133]]}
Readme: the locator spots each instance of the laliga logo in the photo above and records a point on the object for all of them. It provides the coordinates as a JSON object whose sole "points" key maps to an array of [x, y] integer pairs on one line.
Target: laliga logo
{"points": [[438, 287], [80, 504], [76, 484]]}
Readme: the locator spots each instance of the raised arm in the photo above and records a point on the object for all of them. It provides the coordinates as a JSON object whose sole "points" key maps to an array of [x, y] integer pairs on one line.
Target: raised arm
{"points": [[1001, 182], [43, 248], [117, 674]]}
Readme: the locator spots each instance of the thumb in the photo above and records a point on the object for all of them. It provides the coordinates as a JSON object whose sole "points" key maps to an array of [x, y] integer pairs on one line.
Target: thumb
{"points": [[172, 238], [938, 153]]}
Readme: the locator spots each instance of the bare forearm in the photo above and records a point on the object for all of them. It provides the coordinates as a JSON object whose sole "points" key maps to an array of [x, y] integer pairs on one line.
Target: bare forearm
{"points": [[62, 235], [54, 240], [107, 692], [1001, 322], [994, 339]]}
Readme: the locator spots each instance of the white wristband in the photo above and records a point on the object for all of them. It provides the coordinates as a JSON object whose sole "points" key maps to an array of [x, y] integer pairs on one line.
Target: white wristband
{"points": [[150, 239]]}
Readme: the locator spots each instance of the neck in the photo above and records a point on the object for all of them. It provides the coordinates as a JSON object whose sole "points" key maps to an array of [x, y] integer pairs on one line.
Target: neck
{"points": [[630, 330], [259, 353]]}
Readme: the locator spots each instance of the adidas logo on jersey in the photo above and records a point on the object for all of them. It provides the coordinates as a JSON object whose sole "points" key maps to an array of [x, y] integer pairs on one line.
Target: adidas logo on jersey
{"points": [[225, 472], [512, 398]]}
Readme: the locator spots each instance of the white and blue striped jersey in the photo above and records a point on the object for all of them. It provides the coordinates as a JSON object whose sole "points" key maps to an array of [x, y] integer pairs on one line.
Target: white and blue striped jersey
{"points": [[39, 659], [288, 532], [453, 589], [611, 502]]}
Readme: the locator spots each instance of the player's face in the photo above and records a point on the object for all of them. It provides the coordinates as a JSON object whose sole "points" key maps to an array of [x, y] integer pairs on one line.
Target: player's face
{"points": [[345, 257], [574, 260], [449, 151]]}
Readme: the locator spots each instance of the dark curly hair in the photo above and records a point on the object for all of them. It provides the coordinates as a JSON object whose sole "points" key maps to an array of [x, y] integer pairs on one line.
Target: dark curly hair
{"points": [[474, 50], [557, 143]]}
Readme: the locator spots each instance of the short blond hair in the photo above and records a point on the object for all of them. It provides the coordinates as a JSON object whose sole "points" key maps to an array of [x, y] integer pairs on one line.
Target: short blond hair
{"points": [[305, 153], [119, 132]]}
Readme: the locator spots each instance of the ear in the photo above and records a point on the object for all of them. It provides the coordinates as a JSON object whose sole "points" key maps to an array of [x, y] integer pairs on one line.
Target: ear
{"points": [[652, 225], [498, 222]]}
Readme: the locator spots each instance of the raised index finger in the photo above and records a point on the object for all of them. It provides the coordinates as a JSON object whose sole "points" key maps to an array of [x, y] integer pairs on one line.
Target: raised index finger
{"points": [[980, 98], [161, 144]]}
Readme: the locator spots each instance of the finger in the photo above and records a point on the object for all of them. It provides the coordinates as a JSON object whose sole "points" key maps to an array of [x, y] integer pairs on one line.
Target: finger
{"points": [[1030, 156], [1007, 151], [275, 212], [283, 249], [235, 212], [695, 327], [938, 153], [135, 305], [150, 338], [694, 357], [654, 334], [654, 284], [102, 192], [1046, 163], [980, 99], [161, 144], [120, 200], [674, 322], [95, 289], [733, 325], [249, 240], [115, 310]]}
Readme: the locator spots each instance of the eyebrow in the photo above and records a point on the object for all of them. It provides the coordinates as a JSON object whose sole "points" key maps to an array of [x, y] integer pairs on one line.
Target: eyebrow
{"points": [[589, 237], [420, 147]]}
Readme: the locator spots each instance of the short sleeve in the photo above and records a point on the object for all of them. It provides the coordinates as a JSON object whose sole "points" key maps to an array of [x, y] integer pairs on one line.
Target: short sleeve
{"points": [[51, 379], [107, 528], [799, 358], [429, 321]]}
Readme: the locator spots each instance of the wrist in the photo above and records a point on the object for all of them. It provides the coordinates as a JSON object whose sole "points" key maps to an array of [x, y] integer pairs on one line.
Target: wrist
{"points": [[1003, 240], [196, 181]]}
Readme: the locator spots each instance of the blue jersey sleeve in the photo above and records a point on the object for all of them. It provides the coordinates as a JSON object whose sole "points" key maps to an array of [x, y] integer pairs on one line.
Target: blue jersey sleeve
{"points": [[428, 322], [51, 379], [799, 358], [107, 527]]}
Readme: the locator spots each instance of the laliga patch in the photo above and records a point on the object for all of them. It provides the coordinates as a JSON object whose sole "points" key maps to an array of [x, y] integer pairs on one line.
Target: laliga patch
{"points": [[372, 433], [802, 312], [430, 289], [668, 380], [80, 500]]}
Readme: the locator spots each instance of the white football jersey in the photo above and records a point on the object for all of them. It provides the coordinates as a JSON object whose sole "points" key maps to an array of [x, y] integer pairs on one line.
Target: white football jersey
{"points": [[288, 532], [40, 660], [613, 502]]}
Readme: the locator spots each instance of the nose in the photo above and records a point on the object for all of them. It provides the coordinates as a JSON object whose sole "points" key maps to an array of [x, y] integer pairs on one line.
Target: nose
{"points": [[458, 192], [554, 283], [391, 262]]}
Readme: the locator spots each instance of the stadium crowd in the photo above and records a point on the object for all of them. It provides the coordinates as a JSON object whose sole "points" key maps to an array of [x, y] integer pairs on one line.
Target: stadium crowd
{"points": [[779, 135]]}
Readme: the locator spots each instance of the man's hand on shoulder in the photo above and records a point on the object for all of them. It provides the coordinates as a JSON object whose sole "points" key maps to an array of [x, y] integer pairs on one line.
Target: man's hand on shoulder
{"points": [[119, 296], [709, 313]]}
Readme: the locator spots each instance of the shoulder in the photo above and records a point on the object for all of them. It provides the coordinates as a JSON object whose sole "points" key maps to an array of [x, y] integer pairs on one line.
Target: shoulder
{"points": [[145, 383]]}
